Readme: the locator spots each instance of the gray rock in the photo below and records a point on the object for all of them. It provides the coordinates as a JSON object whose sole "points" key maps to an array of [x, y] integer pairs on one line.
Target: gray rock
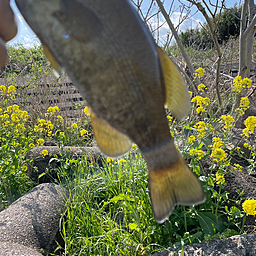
{"points": [[33, 220], [11, 249], [244, 245], [36, 159]]}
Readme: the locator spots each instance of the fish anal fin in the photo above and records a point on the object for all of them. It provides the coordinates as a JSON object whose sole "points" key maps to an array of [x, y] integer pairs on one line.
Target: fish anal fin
{"points": [[177, 96], [57, 68], [173, 186], [110, 141]]}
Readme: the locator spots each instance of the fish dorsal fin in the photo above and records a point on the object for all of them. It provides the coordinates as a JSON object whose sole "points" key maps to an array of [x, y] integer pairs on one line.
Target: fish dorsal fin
{"points": [[56, 66], [111, 142], [177, 96]]}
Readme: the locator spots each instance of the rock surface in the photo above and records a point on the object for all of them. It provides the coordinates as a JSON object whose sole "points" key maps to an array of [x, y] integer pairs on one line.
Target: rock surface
{"points": [[43, 162], [244, 245], [32, 221]]}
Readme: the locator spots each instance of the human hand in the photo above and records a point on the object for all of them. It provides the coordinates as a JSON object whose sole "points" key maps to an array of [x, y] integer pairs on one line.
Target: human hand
{"points": [[8, 28]]}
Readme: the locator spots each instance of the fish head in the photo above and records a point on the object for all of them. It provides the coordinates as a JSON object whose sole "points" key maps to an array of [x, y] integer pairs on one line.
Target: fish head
{"points": [[68, 20]]}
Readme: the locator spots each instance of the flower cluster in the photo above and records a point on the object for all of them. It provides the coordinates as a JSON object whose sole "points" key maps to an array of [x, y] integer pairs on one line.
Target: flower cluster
{"points": [[228, 121], [202, 128], [249, 207], [199, 72], [218, 154], [244, 105], [197, 152], [220, 179], [200, 101], [52, 110], [250, 124], [239, 84]]}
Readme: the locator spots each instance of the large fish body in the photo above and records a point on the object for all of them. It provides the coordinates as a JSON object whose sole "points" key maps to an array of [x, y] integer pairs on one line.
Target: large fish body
{"points": [[127, 81]]}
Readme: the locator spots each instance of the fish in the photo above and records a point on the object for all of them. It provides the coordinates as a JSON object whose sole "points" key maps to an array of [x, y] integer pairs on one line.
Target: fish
{"points": [[127, 81]]}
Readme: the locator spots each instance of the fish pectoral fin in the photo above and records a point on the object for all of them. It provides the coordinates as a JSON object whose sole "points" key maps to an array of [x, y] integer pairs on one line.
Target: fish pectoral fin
{"points": [[177, 96], [56, 66], [111, 142], [174, 186]]}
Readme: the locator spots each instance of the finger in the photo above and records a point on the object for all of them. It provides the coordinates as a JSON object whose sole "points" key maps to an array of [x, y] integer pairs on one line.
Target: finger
{"points": [[8, 26], [3, 53]]}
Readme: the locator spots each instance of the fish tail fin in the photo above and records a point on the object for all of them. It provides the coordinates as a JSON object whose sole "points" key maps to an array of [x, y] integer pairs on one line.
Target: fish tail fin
{"points": [[173, 186]]}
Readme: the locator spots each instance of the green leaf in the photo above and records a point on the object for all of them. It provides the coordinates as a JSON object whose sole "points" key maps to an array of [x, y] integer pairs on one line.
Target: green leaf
{"points": [[209, 222]]}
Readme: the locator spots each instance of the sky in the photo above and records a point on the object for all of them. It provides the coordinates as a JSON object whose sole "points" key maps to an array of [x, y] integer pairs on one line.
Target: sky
{"points": [[26, 36]]}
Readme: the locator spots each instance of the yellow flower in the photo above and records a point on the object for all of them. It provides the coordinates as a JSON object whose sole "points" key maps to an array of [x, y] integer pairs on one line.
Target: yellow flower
{"points": [[218, 154], [220, 179], [239, 84], [250, 124], [199, 72], [40, 142], [121, 161], [190, 93], [62, 134], [24, 168], [191, 138], [169, 118], [36, 128], [2, 88], [196, 152], [249, 207], [31, 145], [229, 120], [246, 145], [15, 117], [217, 142], [60, 119], [201, 127], [83, 132], [134, 146], [11, 89], [74, 125], [45, 152], [244, 102], [238, 167], [109, 159], [201, 87], [86, 111]]}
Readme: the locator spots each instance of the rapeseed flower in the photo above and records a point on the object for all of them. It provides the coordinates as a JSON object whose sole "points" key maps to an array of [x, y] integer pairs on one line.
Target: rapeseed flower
{"points": [[196, 152], [217, 142], [228, 120], [31, 145], [244, 103], [200, 101], [11, 89], [60, 119], [202, 87], [122, 161], [83, 133], [238, 167], [239, 84], [201, 128], [86, 111], [191, 138], [45, 152], [199, 72], [218, 154], [40, 142], [24, 168], [74, 125], [220, 179], [2, 88], [249, 207], [250, 124]]}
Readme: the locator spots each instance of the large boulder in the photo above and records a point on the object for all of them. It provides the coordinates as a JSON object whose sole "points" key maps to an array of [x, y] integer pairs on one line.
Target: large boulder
{"points": [[32, 221]]}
